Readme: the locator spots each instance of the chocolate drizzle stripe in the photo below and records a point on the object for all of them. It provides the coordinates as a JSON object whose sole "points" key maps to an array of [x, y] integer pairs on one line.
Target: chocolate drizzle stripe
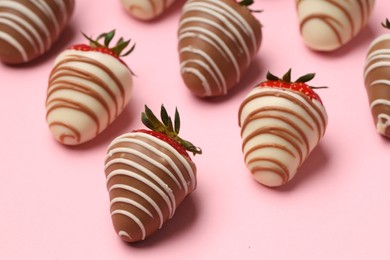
{"points": [[150, 184], [223, 31], [18, 28], [347, 14], [75, 75], [143, 195], [57, 103], [346, 7], [15, 44], [293, 125], [76, 134], [132, 138], [211, 38], [275, 170], [154, 7], [133, 218], [147, 160], [30, 16], [132, 166], [285, 170], [268, 145], [29, 29], [284, 94], [45, 8], [201, 55], [131, 203], [71, 86], [327, 20], [233, 15], [108, 71], [277, 109], [285, 134], [219, 16]]}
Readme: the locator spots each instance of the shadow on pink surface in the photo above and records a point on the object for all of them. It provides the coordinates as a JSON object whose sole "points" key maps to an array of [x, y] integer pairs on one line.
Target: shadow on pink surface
{"points": [[317, 160]]}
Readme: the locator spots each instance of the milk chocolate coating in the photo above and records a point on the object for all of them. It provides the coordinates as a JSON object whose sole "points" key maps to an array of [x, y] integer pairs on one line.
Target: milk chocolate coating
{"points": [[279, 129], [326, 25], [377, 82], [217, 42], [28, 29], [146, 9], [147, 180]]}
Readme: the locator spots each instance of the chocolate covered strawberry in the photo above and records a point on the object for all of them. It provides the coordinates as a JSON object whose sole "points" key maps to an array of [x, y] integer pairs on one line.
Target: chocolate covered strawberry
{"points": [[146, 10], [327, 25], [281, 123], [89, 86], [217, 42], [28, 29], [148, 174], [377, 81]]}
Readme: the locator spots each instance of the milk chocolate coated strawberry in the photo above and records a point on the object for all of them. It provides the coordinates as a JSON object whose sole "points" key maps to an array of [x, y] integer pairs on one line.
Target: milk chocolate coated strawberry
{"points": [[148, 173], [377, 81], [217, 41], [28, 29]]}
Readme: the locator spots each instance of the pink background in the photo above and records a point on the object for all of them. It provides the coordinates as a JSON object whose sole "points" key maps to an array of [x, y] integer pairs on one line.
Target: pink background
{"points": [[53, 199]]}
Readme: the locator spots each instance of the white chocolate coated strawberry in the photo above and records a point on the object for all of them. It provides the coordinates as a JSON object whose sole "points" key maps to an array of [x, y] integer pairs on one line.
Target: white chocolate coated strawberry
{"points": [[146, 9], [87, 92], [279, 129], [326, 25]]}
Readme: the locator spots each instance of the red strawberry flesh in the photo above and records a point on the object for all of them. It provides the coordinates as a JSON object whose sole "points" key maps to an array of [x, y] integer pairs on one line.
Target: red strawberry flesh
{"points": [[178, 147]]}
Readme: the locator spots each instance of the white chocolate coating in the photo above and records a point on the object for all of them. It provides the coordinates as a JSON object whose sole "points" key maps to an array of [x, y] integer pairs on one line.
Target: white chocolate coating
{"points": [[28, 29], [87, 92], [377, 82], [146, 9], [279, 129], [326, 25]]}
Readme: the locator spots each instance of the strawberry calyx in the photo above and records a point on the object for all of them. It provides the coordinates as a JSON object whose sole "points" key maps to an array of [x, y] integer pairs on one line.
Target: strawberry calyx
{"points": [[104, 46], [248, 3], [297, 85], [386, 24], [117, 50], [167, 131]]}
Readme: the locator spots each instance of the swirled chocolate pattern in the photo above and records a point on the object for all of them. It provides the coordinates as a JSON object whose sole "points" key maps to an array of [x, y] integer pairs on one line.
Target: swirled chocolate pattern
{"points": [[147, 180], [87, 91], [377, 82], [29, 28], [279, 129], [326, 25], [217, 42], [146, 9]]}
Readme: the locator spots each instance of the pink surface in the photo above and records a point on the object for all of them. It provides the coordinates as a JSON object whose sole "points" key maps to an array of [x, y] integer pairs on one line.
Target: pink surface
{"points": [[53, 199]]}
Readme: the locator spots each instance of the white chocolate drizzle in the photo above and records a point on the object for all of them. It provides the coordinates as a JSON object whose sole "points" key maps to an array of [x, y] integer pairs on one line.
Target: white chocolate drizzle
{"points": [[377, 82], [133, 156], [226, 32], [25, 25]]}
